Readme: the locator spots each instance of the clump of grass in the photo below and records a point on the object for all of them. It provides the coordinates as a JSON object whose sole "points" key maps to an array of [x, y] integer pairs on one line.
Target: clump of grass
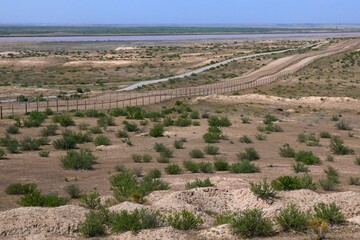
{"points": [[93, 225], [49, 130], [309, 139], [223, 219], [250, 154], [292, 218], [44, 153], [342, 125], [215, 121], [95, 130], [300, 167], [83, 159], [325, 134], [220, 164], [286, 151], [245, 139], [91, 200], [269, 118], [157, 131], [130, 127], [245, 120], [354, 181], [154, 173], [330, 213], [184, 220], [205, 167], [263, 190], [260, 137], [211, 150], [331, 181], [12, 129], [102, 140], [338, 148], [74, 191], [173, 169], [178, 144], [335, 118], [36, 199], [289, 183], [106, 121], [122, 134], [198, 183], [191, 166], [307, 157], [196, 153], [135, 221], [65, 120], [20, 188], [329, 158], [2, 153], [29, 144], [244, 166], [251, 223]]}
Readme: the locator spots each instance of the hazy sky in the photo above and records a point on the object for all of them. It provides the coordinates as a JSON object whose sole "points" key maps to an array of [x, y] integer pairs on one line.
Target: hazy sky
{"points": [[178, 11]]}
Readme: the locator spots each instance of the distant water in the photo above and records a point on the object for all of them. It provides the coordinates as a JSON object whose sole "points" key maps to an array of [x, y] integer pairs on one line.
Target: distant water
{"points": [[168, 37]]}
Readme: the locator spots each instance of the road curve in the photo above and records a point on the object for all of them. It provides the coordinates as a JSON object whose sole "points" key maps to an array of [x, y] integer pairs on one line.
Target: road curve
{"points": [[203, 69]]}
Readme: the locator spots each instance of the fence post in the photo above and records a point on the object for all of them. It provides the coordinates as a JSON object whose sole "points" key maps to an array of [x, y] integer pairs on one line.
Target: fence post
{"points": [[1, 113], [67, 104], [26, 108], [57, 104]]}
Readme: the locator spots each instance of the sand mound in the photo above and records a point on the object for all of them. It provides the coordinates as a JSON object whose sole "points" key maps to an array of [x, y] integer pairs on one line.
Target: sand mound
{"points": [[98, 63], [22, 222], [221, 232], [165, 233], [129, 206]]}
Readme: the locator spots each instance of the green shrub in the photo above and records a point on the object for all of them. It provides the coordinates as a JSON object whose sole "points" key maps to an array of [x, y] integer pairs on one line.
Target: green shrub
{"points": [[93, 225], [12, 129], [73, 190], [166, 153], [13, 146], [157, 131], [154, 173], [136, 158], [49, 112], [292, 218], [196, 153], [83, 159], [35, 198], [307, 157], [20, 189], [325, 134], [173, 169], [122, 134], [327, 184], [182, 122], [135, 221], [149, 184], [269, 119], [95, 130], [146, 158], [215, 121], [191, 166], [332, 174], [168, 121], [300, 167], [260, 137], [102, 140], [289, 183], [245, 120], [354, 181], [124, 185], [329, 158], [245, 139], [66, 142], [357, 160], [178, 144], [184, 220], [223, 219], [269, 128], [211, 150], [83, 126], [44, 153], [335, 118], [211, 137], [130, 127], [263, 190], [331, 181], [198, 183], [49, 130], [163, 159], [117, 112], [90, 200], [93, 113], [35, 119], [244, 166], [250, 154], [105, 121], [309, 139], [64, 120], [2, 153], [286, 151], [251, 223], [330, 213], [342, 125], [338, 148], [205, 167], [29, 144], [221, 164]]}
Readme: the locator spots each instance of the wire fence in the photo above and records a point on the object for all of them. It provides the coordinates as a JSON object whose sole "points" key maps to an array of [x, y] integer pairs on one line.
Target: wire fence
{"points": [[124, 99]]}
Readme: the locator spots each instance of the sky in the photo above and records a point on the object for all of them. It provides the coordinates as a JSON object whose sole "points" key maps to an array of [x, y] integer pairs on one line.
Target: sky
{"points": [[185, 12]]}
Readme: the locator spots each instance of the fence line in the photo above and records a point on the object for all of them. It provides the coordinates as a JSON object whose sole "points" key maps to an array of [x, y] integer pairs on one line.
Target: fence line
{"points": [[124, 99]]}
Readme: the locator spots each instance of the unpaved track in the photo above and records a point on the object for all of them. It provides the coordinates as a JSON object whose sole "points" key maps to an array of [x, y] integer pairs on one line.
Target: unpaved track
{"points": [[265, 75]]}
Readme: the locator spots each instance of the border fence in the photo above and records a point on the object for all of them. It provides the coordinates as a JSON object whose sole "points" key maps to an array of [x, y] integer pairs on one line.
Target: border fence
{"points": [[124, 99]]}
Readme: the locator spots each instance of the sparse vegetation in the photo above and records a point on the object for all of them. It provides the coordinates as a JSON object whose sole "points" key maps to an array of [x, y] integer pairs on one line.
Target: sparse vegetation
{"points": [[263, 190], [184, 220], [292, 218], [198, 183]]}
